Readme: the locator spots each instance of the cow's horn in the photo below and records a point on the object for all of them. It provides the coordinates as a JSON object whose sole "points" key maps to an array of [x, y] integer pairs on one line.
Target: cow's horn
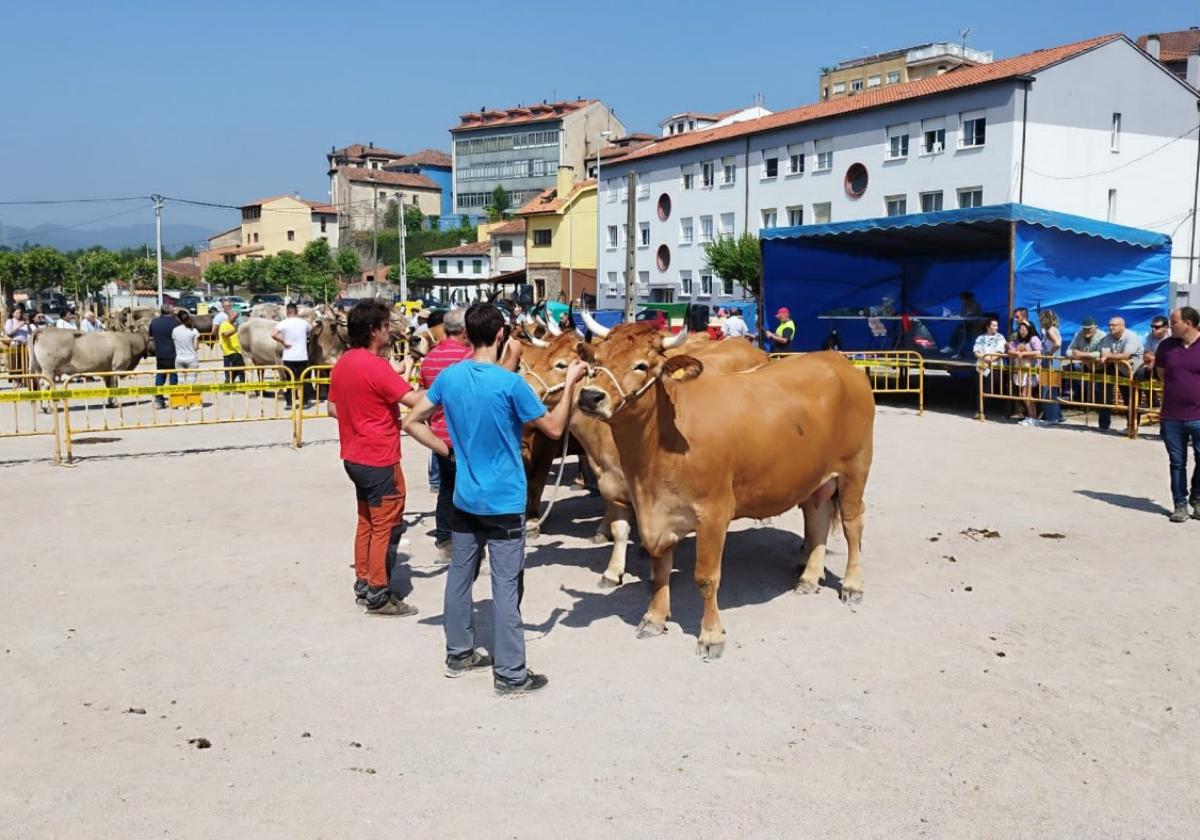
{"points": [[594, 327], [537, 342], [552, 325], [675, 340]]}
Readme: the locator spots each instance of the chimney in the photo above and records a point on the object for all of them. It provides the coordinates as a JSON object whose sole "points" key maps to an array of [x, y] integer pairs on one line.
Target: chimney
{"points": [[371, 144], [1152, 46], [566, 177], [1193, 69]]}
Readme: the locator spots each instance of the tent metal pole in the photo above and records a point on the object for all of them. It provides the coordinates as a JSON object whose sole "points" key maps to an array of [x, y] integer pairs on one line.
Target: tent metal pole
{"points": [[1012, 271]]}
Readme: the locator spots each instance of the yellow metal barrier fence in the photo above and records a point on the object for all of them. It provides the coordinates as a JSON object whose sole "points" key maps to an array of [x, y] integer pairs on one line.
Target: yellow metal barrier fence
{"points": [[1149, 401], [1038, 380], [14, 357], [189, 397], [316, 378], [888, 371], [23, 397]]}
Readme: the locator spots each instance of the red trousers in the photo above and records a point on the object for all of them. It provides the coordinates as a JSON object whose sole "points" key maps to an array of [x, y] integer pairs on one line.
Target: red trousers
{"points": [[381, 494]]}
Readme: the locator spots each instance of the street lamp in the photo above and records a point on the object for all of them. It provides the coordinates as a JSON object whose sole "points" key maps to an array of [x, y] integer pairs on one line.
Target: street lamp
{"points": [[599, 226], [403, 234]]}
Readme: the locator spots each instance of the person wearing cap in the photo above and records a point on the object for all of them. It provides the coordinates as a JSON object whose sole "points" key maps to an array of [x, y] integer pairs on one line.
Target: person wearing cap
{"points": [[1085, 346], [779, 339]]}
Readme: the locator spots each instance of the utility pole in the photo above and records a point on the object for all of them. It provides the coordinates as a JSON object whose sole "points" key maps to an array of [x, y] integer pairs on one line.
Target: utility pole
{"points": [[375, 232], [158, 205], [630, 252], [403, 272]]}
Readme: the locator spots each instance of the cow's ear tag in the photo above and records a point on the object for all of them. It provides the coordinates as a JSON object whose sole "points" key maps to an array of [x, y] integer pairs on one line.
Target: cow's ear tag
{"points": [[682, 368]]}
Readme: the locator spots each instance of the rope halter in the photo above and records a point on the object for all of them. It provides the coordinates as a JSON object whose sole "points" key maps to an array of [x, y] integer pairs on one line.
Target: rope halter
{"points": [[625, 398], [547, 390]]}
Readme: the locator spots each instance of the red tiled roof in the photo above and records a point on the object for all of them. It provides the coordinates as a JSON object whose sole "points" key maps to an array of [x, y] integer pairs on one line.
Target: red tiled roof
{"points": [[181, 268], [313, 204], [515, 226], [320, 207], [393, 179], [958, 79], [521, 114], [358, 150], [547, 201], [1174, 46], [425, 157], [470, 249]]}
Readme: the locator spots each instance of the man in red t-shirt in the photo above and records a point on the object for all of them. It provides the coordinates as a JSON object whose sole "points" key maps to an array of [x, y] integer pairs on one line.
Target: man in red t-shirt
{"points": [[364, 393], [450, 350]]}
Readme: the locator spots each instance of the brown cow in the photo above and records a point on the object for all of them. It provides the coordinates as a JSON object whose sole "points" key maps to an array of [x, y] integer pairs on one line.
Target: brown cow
{"points": [[690, 469], [544, 367]]}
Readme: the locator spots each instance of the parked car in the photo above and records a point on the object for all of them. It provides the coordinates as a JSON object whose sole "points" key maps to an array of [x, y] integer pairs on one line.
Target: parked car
{"points": [[190, 302], [48, 302], [238, 302], [267, 298]]}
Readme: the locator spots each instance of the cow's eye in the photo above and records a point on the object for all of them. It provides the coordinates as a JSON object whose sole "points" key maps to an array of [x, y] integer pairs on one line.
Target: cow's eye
{"points": [[641, 367], [561, 365]]}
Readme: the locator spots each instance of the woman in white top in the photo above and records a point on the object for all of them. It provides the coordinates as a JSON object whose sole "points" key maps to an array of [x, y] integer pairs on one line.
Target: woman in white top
{"points": [[187, 344]]}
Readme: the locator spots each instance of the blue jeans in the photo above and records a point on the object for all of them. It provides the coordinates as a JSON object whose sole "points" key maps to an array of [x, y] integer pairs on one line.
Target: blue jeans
{"points": [[1051, 411], [1175, 434], [435, 475], [160, 379], [446, 470]]}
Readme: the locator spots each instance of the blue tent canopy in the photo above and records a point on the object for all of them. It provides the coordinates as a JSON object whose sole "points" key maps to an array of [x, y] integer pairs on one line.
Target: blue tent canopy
{"points": [[1009, 255]]}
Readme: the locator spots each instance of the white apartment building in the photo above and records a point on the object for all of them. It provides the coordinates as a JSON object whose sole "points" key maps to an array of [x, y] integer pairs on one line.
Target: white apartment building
{"points": [[1095, 128]]}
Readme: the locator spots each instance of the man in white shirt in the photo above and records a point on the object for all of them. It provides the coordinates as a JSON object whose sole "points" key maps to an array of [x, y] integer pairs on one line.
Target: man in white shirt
{"points": [[292, 333], [735, 326], [67, 321], [90, 323], [222, 315]]}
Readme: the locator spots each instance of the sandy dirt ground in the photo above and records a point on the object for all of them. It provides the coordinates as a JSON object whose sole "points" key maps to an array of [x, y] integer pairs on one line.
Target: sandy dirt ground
{"points": [[188, 584]]}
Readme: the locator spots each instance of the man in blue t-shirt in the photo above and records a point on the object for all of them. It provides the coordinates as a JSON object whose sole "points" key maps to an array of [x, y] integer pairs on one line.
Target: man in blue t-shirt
{"points": [[486, 407]]}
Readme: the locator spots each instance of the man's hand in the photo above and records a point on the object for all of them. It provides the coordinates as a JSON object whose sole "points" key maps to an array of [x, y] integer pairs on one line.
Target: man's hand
{"points": [[575, 371], [510, 358]]}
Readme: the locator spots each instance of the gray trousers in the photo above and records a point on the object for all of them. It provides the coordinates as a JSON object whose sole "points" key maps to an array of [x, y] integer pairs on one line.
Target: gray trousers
{"points": [[504, 537]]}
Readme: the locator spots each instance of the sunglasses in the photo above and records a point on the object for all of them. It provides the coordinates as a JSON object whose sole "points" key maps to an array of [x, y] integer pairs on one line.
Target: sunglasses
{"points": [[1158, 326]]}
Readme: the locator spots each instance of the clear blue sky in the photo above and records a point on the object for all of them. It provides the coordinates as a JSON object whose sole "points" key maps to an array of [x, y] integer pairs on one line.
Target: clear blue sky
{"points": [[228, 101]]}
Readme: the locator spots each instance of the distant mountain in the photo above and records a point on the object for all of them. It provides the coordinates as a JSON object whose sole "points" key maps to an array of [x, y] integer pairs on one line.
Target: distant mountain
{"points": [[174, 237]]}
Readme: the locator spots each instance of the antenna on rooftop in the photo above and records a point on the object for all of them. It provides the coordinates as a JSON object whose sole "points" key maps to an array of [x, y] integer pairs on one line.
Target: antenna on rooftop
{"points": [[962, 34]]}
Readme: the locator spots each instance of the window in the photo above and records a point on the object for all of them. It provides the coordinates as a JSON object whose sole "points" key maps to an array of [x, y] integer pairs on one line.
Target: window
{"points": [[612, 283], [685, 231], [873, 81], [856, 84], [931, 202], [643, 191], [643, 279], [897, 148], [970, 197], [322, 224], [825, 155], [685, 283], [477, 266], [664, 207], [612, 237], [687, 176], [1114, 142], [893, 77], [821, 213], [1112, 205], [727, 287], [611, 189], [729, 171], [770, 167], [795, 215], [460, 267], [291, 236], [974, 130], [256, 236], [770, 218], [839, 88], [443, 266], [707, 173], [662, 258], [705, 284], [896, 205], [726, 228], [795, 159], [933, 140], [506, 247], [643, 234], [541, 238], [706, 229]]}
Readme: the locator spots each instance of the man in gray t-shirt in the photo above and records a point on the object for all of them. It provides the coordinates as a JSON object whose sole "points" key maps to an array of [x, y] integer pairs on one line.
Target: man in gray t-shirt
{"points": [[1119, 345]]}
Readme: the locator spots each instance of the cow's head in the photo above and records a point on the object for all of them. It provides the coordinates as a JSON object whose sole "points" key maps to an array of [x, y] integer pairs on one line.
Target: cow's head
{"points": [[627, 364], [544, 364]]}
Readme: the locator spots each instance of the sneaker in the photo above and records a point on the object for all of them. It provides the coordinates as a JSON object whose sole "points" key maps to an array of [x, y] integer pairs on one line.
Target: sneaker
{"points": [[1195, 510], [394, 606], [360, 600], [1180, 514], [445, 551], [947, 350], [532, 682], [456, 666]]}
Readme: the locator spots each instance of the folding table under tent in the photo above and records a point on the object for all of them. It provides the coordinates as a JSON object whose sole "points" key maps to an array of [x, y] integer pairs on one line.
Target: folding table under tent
{"points": [[869, 279]]}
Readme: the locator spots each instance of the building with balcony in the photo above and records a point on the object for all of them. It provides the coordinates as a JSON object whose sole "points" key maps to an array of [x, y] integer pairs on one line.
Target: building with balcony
{"points": [[284, 223], [895, 67], [560, 239], [521, 148], [1094, 128]]}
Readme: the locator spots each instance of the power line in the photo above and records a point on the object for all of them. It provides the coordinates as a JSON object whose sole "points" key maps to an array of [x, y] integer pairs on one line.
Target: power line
{"points": [[1115, 168], [41, 231], [74, 200]]}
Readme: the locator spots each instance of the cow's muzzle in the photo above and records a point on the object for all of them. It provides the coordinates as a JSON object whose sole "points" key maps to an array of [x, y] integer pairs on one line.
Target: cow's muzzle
{"points": [[593, 400]]}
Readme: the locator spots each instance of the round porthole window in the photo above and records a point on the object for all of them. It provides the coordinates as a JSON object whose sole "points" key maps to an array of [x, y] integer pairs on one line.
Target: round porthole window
{"points": [[856, 180], [663, 258], [664, 207]]}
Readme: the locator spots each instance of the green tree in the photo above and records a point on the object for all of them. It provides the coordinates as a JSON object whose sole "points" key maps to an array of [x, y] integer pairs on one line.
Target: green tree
{"points": [[286, 270], [499, 206], [413, 217], [12, 274], [223, 275], [317, 257], [419, 268], [184, 252], [93, 270], [142, 273], [737, 259], [347, 263], [45, 267]]}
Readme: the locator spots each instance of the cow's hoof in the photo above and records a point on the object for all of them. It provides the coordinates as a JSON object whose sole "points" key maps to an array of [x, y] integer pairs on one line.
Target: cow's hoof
{"points": [[709, 650], [807, 587], [608, 583], [649, 629], [599, 538], [851, 596]]}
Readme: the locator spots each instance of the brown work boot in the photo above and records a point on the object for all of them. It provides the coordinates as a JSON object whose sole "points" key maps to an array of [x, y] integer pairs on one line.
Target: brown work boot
{"points": [[394, 607]]}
